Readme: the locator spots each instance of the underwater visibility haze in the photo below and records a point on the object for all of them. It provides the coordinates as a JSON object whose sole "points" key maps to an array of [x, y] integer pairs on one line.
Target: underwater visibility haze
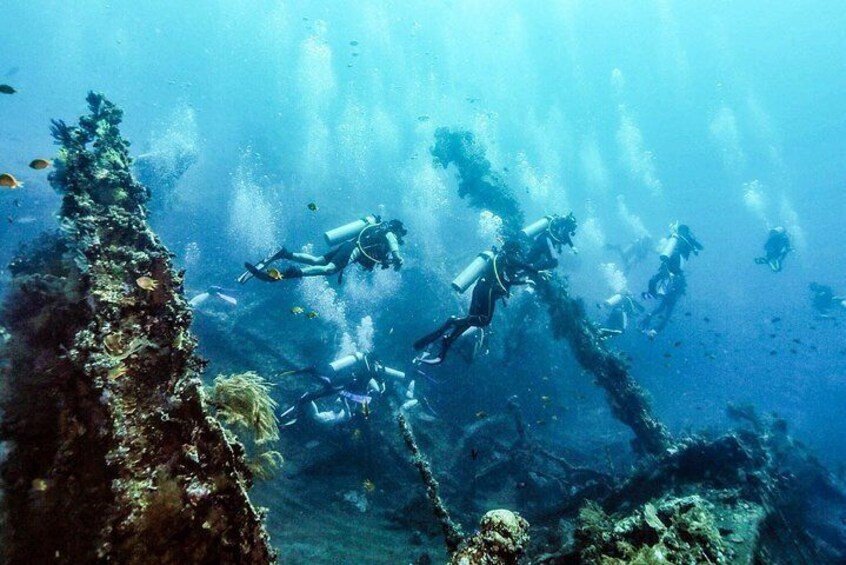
{"points": [[423, 282]]}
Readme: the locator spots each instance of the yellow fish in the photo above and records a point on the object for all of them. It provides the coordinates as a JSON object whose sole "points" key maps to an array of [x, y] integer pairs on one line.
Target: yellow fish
{"points": [[312, 315], [39, 485], [313, 207], [9, 181], [296, 310], [368, 486], [146, 283], [274, 274], [118, 372], [39, 164]]}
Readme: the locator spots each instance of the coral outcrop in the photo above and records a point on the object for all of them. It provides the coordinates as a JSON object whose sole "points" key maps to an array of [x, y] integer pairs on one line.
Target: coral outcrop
{"points": [[113, 453], [487, 190], [502, 539]]}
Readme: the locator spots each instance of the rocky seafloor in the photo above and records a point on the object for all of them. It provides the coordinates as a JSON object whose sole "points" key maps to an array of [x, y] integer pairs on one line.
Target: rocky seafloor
{"points": [[116, 451]]}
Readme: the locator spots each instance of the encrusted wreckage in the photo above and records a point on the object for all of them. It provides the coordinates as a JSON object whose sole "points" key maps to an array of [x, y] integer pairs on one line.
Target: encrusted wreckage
{"points": [[485, 189], [114, 455]]}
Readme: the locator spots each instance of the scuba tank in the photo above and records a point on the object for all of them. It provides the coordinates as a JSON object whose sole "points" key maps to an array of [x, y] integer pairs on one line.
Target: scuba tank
{"points": [[669, 248], [349, 231], [346, 362], [472, 272], [535, 229], [393, 373], [614, 300]]}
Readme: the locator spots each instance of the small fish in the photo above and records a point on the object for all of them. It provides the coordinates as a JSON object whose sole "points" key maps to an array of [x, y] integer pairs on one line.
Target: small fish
{"points": [[354, 43], [312, 315], [16, 202], [9, 181], [423, 118], [274, 274], [481, 415], [39, 164], [39, 485], [474, 453], [297, 310], [706, 319], [146, 283], [775, 320], [668, 355], [545, 399], [313, 207], [6, 89], [118, 372], [773, 352], [554, 418], [368, 486], [677, 344]]}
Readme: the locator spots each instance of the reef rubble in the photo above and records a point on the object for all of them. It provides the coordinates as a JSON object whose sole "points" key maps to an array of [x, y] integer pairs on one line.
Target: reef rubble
{"points": [[113, 452]]}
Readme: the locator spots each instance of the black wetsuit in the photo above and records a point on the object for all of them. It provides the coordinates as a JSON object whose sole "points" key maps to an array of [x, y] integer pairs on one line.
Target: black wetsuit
{"points": [[775, 250], [555, 237], [674, 287], [495, 284]]}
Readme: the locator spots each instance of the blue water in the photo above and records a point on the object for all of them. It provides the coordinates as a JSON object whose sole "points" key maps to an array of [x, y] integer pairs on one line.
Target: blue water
{"points": [[729, 116]]}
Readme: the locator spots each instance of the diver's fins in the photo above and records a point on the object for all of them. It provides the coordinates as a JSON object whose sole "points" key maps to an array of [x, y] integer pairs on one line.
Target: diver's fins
{"points": [[232, 301], [255, 271], [260, 266]]}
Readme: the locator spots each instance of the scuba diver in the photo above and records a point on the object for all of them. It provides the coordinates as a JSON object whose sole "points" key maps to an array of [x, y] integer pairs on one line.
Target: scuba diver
{"points": [[825, 301], [355, 379], [668, 287], [678, 247], [550, 233], [494, 273], [621, 306], [368, 242], [633, 253], [776, 249]]}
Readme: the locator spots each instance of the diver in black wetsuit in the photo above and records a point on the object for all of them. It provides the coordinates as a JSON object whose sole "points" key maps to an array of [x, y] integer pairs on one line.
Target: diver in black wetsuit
{"points": [[355, 378], [375, 243], [678, 248], [776, 249], [669, 288], [506, 268], [824, 300], [557, 232]]}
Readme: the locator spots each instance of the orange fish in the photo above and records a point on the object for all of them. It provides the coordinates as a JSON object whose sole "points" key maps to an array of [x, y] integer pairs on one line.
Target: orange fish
{"points": [[9, 181]]}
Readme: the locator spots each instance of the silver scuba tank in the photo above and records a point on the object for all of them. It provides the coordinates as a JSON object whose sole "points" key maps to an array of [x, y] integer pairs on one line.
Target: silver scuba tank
{"points": [[346, 362], [472, 272], [393, 373], [348, 231], [669, 248], [535, 229], [614, 300]]}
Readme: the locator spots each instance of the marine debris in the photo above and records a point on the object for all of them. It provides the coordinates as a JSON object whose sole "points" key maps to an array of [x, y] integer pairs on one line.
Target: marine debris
{"points": [[114, 455], [452, 531], [486, 190]]}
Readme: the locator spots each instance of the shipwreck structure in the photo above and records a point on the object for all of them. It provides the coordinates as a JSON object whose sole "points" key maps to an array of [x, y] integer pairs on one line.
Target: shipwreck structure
{"points": [[113, 454], [485, 189]]}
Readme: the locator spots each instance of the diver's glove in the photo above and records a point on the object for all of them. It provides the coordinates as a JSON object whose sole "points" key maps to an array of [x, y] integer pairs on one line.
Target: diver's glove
{"points": [[398, 262]]}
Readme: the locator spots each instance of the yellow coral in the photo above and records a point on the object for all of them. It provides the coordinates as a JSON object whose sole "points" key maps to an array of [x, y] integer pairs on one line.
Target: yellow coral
{"points": [[243, 401]]}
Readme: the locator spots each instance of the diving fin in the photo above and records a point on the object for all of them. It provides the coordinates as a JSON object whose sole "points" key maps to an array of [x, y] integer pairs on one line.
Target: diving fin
{"points": [[255, 271]]}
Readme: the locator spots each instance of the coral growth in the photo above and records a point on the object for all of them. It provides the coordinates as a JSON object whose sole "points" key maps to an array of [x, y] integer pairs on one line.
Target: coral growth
{"points": [[673, 530], [502, 539], [113, 453], [243, 401]]}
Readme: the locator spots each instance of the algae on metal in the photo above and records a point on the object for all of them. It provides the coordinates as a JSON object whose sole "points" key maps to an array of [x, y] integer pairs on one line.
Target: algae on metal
{"points": [[114, 455], [487, 190]]}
